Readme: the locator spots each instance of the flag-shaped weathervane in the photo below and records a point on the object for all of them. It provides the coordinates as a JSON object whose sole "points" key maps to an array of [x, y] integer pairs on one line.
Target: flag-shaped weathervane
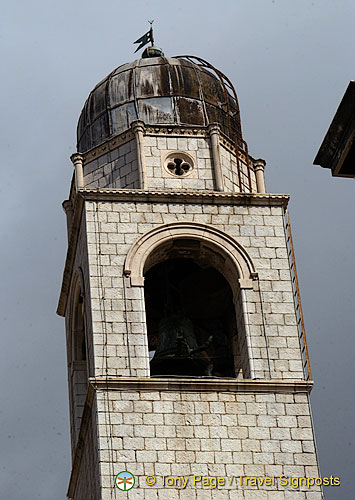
{"points": [[146, 38]]}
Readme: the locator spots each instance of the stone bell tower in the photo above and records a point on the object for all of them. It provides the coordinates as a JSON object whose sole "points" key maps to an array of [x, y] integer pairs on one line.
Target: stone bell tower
{"points": [[187, 358]]}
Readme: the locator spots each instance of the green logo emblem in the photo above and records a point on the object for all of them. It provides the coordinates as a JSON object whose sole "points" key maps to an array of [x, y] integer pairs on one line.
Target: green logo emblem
{"points": [[124, 481]]}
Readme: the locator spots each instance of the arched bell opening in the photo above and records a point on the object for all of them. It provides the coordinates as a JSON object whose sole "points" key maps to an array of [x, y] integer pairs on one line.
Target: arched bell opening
{"points": [[191, 316], [78, 359]]}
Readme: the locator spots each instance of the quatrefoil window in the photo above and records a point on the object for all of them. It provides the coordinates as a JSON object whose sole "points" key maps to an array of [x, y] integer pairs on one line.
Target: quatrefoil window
{"points": [[178, 166]]}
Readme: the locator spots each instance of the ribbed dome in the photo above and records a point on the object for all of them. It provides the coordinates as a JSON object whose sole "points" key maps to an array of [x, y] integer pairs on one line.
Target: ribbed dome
{"points": [[158, 91]]}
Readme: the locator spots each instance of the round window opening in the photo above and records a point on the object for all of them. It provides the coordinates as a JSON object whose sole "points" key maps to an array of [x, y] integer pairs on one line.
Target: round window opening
{"points": [[178, 164]]}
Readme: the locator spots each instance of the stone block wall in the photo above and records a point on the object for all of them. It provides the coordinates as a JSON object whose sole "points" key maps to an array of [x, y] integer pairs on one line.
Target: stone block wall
{"points": [[118, 309], [209, 434], [185, 432], [86, 482], [256, 425], [118, 168], [158, 177], [114, 169], [232, 181]]}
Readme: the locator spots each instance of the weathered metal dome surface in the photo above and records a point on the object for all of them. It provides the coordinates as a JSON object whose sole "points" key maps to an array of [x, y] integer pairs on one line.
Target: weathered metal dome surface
{"points": [[158, 91]]}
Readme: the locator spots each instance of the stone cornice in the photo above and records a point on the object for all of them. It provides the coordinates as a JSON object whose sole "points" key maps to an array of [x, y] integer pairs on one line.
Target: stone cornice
{"points": [[206, 197], [69, 261], [175, 130], [201, 384]]}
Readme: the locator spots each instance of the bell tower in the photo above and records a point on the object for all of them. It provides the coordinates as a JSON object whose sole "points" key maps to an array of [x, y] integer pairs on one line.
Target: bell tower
{"points": [[187, 357]]}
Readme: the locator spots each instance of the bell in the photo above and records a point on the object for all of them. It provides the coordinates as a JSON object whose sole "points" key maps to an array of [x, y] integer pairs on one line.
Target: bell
{"points": [[177, 352]]}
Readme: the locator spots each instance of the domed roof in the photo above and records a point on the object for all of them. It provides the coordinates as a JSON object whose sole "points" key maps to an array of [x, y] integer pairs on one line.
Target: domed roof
{"points": [[158, 91]]}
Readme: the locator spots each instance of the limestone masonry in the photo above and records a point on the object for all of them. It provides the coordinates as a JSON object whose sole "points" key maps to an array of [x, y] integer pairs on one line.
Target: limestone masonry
{"points": [[186, 347]]}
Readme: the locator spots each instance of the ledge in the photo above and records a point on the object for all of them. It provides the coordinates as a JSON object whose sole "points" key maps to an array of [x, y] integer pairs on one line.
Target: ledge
{"points": [[201, 384], [138, 195]]}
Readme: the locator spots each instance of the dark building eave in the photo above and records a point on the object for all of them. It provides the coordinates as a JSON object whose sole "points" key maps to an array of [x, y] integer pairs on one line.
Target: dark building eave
{"points": [[337, 151]]}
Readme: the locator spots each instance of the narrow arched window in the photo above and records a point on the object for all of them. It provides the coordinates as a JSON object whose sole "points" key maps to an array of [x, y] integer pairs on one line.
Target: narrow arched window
{"points": [[78, 364], [79, 335]]}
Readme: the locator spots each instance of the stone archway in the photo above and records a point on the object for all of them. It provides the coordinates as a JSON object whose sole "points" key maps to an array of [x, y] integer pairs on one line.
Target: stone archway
{"points": [[231, 259], [210, 248]]}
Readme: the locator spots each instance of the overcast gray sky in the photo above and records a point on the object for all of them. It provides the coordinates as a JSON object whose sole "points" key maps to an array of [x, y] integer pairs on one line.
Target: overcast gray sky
{"points": [[290, 63]]}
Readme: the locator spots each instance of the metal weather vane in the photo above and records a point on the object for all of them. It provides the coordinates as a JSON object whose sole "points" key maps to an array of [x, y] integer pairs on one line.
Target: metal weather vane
{"points": [[146, 38]]}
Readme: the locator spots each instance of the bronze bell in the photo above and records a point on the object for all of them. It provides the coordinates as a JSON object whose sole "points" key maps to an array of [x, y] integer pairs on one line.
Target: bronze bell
{"points": [[177, 352]]}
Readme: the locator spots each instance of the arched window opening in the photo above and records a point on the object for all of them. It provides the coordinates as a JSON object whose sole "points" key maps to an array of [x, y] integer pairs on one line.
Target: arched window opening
{"points": [[191, 320], [79, 370], [79, 331]]}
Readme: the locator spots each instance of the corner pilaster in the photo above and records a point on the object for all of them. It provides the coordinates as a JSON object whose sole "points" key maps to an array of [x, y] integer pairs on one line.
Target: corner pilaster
{"points": [[214, 132], [259, 166], [77, 160], [138, 129]]}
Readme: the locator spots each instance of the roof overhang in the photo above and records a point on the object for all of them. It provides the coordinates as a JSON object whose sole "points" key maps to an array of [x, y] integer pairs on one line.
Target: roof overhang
{"points": [[337, 151]]}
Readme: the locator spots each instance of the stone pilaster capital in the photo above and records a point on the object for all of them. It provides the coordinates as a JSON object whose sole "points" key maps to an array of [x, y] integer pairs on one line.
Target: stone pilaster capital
{"points": [[259, 164], [77, 159], [67, 206], [214, 128], [138, 126]]}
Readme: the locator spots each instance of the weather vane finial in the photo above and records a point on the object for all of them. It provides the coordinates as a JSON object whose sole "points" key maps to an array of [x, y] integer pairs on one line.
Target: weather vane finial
{"points": [[146, 38], [151, 51], [151, 32]]}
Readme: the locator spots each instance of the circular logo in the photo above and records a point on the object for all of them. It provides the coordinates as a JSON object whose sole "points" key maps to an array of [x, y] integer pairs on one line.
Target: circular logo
{"points": [[124, 480]]}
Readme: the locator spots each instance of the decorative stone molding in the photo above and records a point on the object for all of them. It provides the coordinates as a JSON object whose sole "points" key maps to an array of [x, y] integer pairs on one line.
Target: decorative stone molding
{"points": [[176, 130], [69, 212], [201, 384], [67, 206], [189, 158], [236, 261], [256, 199]]}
